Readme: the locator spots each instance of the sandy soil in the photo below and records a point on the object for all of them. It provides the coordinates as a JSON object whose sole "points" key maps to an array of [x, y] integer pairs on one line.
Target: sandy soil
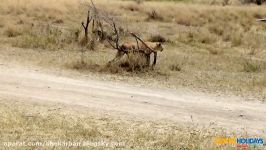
{"points": [[184, 106]]}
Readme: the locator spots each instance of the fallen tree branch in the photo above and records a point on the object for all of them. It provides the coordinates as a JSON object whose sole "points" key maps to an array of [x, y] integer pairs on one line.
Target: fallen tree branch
{"points": [[134, 35]]}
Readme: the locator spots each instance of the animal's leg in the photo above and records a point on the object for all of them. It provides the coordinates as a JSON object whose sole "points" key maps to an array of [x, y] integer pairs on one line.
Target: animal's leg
{"points": [[155, 59], [93, 27], [148, 59]]}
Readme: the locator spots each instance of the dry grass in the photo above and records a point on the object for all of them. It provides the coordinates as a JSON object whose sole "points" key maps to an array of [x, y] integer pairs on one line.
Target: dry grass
{"points": [[154, 15], [46, 37], [38, 122], [207, 46], [251, 66], [12, 31]]}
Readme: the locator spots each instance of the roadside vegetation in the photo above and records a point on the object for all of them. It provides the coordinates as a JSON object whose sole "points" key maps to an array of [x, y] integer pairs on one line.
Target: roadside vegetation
{"points": [[39, 123], [209, 46]]}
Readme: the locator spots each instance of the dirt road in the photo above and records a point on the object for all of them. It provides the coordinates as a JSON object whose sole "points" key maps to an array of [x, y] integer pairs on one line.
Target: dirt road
{"points": [[177, 105]]}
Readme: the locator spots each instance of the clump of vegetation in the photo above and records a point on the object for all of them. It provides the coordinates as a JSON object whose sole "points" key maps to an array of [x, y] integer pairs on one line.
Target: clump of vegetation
{"points": [[89, 44], [214, 51], [216, 28], [83, 65], [202, 36], [175, 67], [154, 15], [157, 38], [59, 21], [12, 31], [115, 68], [251, 66]]}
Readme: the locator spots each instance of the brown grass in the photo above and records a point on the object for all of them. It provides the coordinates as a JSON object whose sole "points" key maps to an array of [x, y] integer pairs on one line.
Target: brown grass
{"points": [[154, 15], [251, 66], [208, 47], [12, 31], [36, 122]]}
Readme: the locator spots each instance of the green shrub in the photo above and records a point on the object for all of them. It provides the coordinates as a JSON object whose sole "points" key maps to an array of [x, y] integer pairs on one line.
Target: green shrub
{"points": [[250, 66]]}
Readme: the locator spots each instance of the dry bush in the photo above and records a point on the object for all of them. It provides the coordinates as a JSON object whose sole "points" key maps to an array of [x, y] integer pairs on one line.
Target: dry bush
{"points": [[154, 15], [83, 65], [12, 31], [251, 66], [157, 38], [202, 36], [89, 44], [217, 28], [175, 67], [252, 51], [114, 68]]}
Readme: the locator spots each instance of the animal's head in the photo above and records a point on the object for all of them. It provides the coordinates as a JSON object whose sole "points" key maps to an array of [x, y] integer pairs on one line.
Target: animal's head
{"points": [[158, 47]]}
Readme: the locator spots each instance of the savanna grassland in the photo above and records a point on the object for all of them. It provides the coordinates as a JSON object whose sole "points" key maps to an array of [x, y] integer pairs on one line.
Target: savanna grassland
{"points": [[38, 122], [207, 47]]}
